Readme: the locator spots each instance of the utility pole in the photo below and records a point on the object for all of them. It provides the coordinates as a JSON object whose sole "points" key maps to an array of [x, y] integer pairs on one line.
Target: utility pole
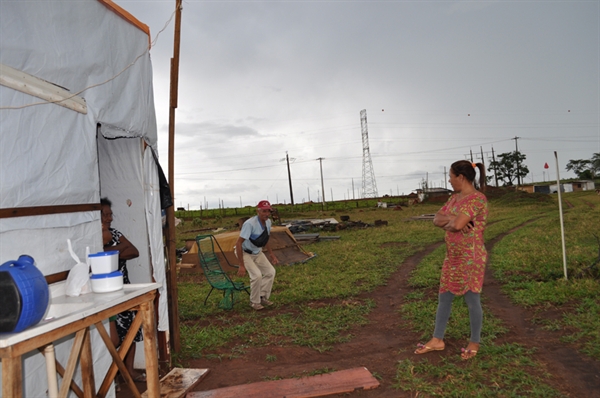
{"points": [[517, 156], [494, 160], [289, 177], [445, 179], [322, 186], [482, 159]]}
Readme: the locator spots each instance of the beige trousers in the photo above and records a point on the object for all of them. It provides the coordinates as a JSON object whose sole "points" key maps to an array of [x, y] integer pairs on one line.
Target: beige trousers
{"points": [[262, 275]]}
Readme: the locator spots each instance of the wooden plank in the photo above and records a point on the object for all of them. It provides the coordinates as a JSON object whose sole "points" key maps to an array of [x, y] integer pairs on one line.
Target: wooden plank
{"points": [[59, 276], [186, 265], [117, 359], [61, 371], [86, 363], [340, 382], [50, 209], [72, 362], [179, 381]]}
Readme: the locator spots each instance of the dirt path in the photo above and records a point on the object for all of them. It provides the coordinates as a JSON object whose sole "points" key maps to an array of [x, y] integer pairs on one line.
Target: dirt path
{"points": [[375, 346], [573, 374], [380, 344]]}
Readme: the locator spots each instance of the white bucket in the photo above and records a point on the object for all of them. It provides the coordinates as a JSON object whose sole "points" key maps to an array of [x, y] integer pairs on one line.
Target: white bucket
{"points": [[104, 262], [105, 283]]}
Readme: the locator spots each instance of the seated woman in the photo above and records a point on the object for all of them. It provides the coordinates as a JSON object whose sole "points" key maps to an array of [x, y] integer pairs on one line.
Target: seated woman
{"points": [[115, 240]]}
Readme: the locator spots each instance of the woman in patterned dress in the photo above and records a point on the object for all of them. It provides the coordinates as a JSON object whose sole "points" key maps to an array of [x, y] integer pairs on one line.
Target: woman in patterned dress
{"points": [[463, 217], [119, 325]]}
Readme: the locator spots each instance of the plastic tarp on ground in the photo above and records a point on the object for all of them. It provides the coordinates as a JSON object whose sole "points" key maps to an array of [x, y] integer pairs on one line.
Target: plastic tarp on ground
{"points": [[281, 241], [51, 155]]}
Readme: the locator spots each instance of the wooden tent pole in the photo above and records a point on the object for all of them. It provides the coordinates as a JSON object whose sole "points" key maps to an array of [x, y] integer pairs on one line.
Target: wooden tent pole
{"points": [[171, 241]]}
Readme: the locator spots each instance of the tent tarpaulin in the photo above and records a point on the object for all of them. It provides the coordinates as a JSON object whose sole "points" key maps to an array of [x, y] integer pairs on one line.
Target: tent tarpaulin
{"points": [[52, 155]]}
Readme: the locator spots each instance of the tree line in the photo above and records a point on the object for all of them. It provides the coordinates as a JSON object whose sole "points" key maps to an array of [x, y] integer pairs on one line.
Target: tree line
{"points": [[510, 168]]}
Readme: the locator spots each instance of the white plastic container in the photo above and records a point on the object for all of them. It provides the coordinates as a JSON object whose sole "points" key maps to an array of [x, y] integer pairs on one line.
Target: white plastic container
{"points": [[104, 262], [105, 283]]}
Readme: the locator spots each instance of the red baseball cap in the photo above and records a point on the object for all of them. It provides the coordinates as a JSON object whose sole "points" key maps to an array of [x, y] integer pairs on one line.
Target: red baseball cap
{"points": [[264, 204]]}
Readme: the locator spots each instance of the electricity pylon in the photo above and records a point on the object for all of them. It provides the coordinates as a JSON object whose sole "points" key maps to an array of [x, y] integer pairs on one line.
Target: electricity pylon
{"points": [[369, 186]]}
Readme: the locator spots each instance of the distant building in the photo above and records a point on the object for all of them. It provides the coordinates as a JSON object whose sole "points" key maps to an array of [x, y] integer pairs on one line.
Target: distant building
{"points": [[573, 186], [527, 188], [583, 185], [434, 194]]}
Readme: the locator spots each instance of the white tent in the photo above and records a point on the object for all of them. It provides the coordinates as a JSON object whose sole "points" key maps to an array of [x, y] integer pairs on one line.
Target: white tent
{"points": [[57, 160]]}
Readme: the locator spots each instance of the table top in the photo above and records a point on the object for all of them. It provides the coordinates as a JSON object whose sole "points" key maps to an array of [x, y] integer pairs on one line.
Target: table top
{"points": [[64, 310]]}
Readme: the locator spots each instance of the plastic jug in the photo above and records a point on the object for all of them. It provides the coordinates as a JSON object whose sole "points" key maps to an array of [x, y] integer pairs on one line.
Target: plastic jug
{"points": [[25, 295]]}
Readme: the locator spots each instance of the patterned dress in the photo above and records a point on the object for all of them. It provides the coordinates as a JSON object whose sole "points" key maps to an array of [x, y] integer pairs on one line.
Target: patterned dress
{"points": [[124, 319], [464, 265]]}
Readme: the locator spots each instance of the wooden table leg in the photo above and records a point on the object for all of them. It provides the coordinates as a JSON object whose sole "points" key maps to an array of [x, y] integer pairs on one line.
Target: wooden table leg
{"points": [[12, 381], [87, 367], [150, 349], [71, 363], [118, 357]]}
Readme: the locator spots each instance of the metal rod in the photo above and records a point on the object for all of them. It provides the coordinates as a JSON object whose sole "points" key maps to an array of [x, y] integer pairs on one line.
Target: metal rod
{"points": [[562, 224]]}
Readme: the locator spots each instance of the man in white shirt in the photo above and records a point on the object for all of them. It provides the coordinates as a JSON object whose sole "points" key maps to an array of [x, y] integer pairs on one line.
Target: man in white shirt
{"points": [[254, 236]]}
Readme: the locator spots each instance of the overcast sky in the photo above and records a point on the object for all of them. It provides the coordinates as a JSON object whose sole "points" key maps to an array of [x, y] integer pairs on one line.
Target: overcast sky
{"points": [[438, 79]]}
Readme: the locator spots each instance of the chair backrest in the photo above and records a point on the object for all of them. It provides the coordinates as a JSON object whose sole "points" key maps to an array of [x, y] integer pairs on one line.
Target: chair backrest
{"points": [[210, 263]]}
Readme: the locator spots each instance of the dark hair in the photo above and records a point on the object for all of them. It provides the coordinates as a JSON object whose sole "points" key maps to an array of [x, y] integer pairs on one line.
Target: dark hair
{"points": [[467, 169], [105, 202]]}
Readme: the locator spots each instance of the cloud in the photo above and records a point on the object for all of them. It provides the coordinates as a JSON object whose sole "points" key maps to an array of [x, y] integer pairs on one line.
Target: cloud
{"points": [[439, 80], [213, 130]]}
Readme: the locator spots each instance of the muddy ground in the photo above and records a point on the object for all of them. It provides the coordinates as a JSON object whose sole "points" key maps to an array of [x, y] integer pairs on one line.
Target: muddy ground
{"points": [[379, 345]]}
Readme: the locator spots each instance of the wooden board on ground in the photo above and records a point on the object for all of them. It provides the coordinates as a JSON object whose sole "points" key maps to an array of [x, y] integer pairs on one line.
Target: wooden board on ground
{"points": [[343, 381], [425, 217], [179, 381]]}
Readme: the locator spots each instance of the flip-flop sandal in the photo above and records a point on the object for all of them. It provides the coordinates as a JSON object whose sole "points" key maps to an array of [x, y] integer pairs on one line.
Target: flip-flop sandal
{"points": [[427, 349], [467, 354]]}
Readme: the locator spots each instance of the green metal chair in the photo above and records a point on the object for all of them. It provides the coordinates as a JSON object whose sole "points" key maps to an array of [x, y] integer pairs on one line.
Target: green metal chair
{"points": [[216, 277]]}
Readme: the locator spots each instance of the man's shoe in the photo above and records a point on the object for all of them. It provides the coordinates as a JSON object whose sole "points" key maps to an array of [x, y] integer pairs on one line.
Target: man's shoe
{"points": [[257, 306], [265, 302]]}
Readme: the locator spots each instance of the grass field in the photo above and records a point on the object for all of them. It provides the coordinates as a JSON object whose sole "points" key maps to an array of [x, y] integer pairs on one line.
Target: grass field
{"points": [[527, 261]]}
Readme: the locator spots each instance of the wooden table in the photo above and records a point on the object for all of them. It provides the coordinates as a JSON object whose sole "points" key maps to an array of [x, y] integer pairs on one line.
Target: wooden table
{"points": [[137, 297]]}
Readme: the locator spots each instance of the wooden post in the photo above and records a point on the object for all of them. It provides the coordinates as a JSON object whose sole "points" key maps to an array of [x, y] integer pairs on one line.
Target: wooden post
{"points": [[172, 272], [12, 377]]}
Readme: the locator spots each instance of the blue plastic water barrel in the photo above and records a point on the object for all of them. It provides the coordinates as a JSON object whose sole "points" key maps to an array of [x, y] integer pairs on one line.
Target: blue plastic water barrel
{"points": [[25, 295]]}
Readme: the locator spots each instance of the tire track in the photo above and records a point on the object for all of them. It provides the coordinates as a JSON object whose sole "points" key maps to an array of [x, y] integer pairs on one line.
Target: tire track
{"points": [[573, 373]]}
